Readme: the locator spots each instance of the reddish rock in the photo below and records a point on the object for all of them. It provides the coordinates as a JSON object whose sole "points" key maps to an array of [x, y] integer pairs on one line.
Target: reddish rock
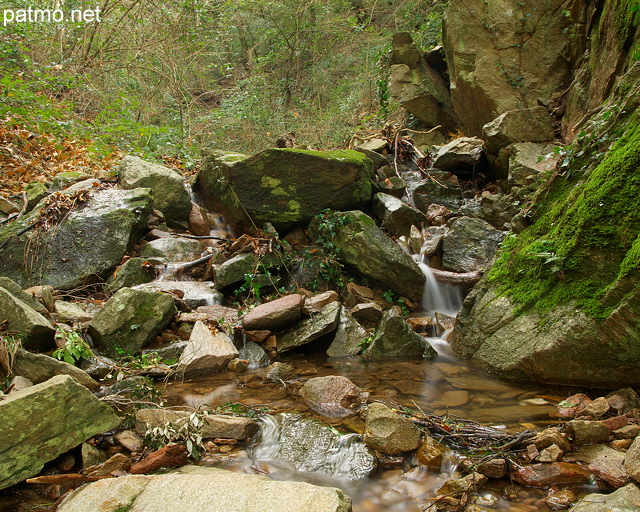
{"points": [[316, 302], [615, 423], [421, 324], [560, 499], [494, 468], [609, 467], [543, 475], [572, 407], [171, 456], [357, 294], [276, 314], [430, 453], [369, 312], [199, 221], [216, 313], [598, 408], [551, 453], [549, 436], [116, 465], [257, 336]]}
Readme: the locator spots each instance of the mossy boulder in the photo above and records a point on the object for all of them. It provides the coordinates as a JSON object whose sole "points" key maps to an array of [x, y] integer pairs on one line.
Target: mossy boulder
{"points": [[43, 421], [37, 330], [562, 302], [369, 252], [132, 272], [169, 193], [84, 246], [130, 320], [286, 187], [396, 216]]}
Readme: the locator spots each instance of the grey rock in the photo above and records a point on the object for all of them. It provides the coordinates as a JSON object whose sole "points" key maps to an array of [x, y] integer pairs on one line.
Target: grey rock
{"points": [[98, 367], [37, 330], [211, 489], [396, 216], [333, 396], [71, 312], [469, 245], [233, 270], [522, 125], [348, 338], [132, 272], [625, 499], [395, 338], [446, 192], [44, 421], [254, 353], [632, 460], [196, 293], [206, 353], [18, 383], [170, 195], [30, 300], [173, 249], [388, 432], [131, 319], [460, 152], [39, 368], [310, 328]]}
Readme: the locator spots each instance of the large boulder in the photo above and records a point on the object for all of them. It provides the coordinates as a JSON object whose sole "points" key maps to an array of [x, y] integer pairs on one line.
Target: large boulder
{"points": [[395, 338], [286, 187], [204, 488], [40, 368], [369, 252], [504, 55], [396, 216], [443, 190], [43, 421], [562, 302], [470, 245], [131, 319], [625, 499], [418, 87], [169, 193], [348, 338], [86, 244], [20, 317], [309, 329], [523, 125]]}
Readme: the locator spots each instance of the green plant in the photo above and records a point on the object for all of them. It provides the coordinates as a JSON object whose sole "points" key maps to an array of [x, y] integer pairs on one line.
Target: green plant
{"points": [[74, 348], [545, 251], [330, 268], [186, 430], [392, 298], [240, 409], [366, 342]]}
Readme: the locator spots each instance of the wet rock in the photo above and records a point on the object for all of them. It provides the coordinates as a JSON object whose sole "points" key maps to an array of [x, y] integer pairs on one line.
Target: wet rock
{"points": [[396, 216], [295, 186], [544, 475], [98, 367], [254, 354], [193, 294], [279, 371], [196, 488], [315, 303], [171, 456], [418, 87], [44, 421], [469, 483], [558, 500], [571, 407], [609, 466], [625, 499], [311, 446], [469, 245], [333, 396], [494, 468], [228, 427], [74, 254], [430, 453], [199, 220], [311, 328], [70, 312], [369, 312], [388, 432], [39, 368], [37, 330], [275, 314], [216, 314], [549, 436], [206, 352], [173, 249], [632, 460], [171, 352], [233, 270], [597, 408], [169, 194], [130, 440], [522, 125], [131, 319], [125, 387], [460, 152], [368, 251], [348, 338], [443, 190], [395, 338], [551, 453], [588, 432], [437, 215]]}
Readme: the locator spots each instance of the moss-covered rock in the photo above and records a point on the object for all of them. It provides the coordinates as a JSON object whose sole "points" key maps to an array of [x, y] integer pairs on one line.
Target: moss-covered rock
{"points": [[286, 187], [396, 216], [130, 320], [37, 330], [84, 246], [44, 421], [169, 193], [562, 302], [368, 251], [132, 272]]}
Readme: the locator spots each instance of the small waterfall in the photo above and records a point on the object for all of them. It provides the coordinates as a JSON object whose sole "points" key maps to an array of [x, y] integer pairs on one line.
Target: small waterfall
{"points": [[437, 297]]}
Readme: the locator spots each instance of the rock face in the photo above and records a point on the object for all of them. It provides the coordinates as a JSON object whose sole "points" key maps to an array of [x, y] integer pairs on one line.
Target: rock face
{"points": [[389, 432], [562, 304], [206, 352], [418, 87], [396, 216], [130, 319], [367, 250], [169, 194], [73, 253], [211, 489], [528, 41], [43, 421], [285, 186], [469, 245], [22, 318], [395, 338]]}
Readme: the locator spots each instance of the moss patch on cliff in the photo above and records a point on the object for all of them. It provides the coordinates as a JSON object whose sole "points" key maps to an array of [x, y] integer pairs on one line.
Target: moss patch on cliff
{"points": [[583, 242]]}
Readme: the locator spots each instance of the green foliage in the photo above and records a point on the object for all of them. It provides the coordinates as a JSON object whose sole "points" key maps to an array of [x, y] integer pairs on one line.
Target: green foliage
{"points": [[240, 409], [366, 342], [331, 269], [584, 239], [391, 297], [74, 349], [185, 430]]}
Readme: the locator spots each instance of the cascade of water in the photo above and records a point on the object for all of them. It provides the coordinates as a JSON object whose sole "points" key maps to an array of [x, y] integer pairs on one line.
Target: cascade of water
{"points": [[437, 297]]}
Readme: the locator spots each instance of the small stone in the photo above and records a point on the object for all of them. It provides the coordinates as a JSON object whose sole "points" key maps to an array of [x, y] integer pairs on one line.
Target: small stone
{"points": [[316, 302], [558, 500], [532, 452], [368, 312], [588, 432], [226, 448], [627, 432], [456, 486], [257, 336], [596, 409], [624, 400], [430, 453], [550, 436], [571, 407], [276, 314], [616, 422], [544, 474], [279, 371], [18, 383], [238, 365], [130, 440], [91, 456], [621, 444], [333, 396], [494, 468], [552, 453], [117, 464]]}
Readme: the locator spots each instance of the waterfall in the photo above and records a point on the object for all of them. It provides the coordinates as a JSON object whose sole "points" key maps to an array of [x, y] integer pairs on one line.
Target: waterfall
{"points": [[438, 297]]}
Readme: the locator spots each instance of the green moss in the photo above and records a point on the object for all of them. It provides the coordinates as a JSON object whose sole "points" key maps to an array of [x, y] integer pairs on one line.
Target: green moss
{"points": [[270, 182], [624, 16], [344, 155], [583, 242]]}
